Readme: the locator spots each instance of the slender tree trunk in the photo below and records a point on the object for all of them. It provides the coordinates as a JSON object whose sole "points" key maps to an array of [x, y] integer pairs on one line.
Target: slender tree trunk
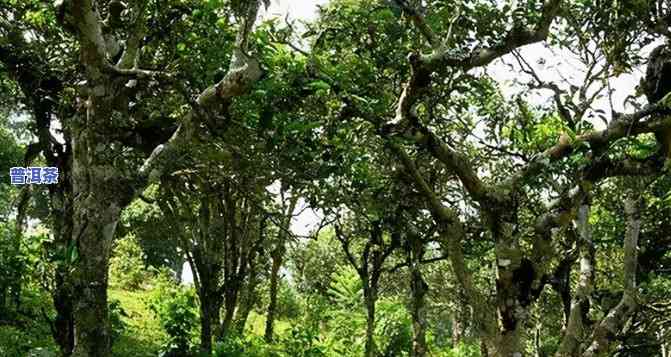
{"points": [[573, 335], [248, 300], [242, 316], [484, 351], [538, 344], [230, 304], [370, 297], [63, 327], [611, 324], [456, 330], [210, 305], [418, 289], [3, 294], [419, 347], [277, 256]]}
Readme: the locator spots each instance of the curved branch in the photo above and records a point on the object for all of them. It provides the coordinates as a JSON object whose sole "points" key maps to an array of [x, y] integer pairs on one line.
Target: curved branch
{"points": [[243, 71]]}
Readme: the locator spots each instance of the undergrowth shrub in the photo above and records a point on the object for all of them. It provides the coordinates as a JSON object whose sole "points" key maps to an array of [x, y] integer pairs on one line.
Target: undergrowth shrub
{"points": [[176, 308], [235, 345], [303, 341], [116, 315], [127, 265], [393, 329]]}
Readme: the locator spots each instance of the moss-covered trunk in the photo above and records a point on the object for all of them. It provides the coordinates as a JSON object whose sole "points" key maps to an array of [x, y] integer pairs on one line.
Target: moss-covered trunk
{"points": [[100, 191]]}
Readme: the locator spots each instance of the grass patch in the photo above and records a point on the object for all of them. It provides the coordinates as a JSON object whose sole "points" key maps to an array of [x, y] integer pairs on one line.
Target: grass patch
{"points": [[256, 324], [143, 335]]}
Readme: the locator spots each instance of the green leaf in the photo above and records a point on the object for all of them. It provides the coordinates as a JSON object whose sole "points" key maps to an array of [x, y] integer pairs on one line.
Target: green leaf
{"points": [[319, 84]]}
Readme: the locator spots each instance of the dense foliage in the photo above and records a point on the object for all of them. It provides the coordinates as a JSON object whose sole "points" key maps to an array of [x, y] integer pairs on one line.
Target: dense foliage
{"points": [[477, 178]]}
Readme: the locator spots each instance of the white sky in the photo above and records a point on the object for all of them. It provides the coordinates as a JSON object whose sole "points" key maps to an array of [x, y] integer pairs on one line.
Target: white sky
{"points": [[297, 9]]}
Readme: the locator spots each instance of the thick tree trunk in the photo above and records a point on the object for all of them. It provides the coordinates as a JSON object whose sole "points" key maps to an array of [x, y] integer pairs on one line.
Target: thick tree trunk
{"points": [[515, 275], [100, 191], [95, 223]]}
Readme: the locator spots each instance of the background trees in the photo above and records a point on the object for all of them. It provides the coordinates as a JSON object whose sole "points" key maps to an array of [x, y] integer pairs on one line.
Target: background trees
{"points": [[483, 178]]}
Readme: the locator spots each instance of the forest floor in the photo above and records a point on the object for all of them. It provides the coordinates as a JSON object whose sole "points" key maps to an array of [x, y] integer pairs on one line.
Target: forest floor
{"points": [[143, 334]]}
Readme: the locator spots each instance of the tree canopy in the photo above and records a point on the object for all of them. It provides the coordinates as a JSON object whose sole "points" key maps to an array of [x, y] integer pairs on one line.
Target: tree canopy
{"points": [[484, 178]]}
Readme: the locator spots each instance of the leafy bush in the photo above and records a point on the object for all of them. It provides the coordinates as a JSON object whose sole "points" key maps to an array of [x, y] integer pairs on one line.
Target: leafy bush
{"points": [[13, 342], [464, 350], [127, 267], [176, 308], [303, 342], [14, 265], [116, 315], [394, 328], [288, 304], [22, 341], [238, 346], [346, 317]]}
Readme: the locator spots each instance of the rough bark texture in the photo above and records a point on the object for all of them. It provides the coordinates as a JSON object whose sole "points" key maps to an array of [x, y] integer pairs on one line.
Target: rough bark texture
{"points": [[97, 206], [210, 301], [574, 341], [100, 191], [247, 301]]}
